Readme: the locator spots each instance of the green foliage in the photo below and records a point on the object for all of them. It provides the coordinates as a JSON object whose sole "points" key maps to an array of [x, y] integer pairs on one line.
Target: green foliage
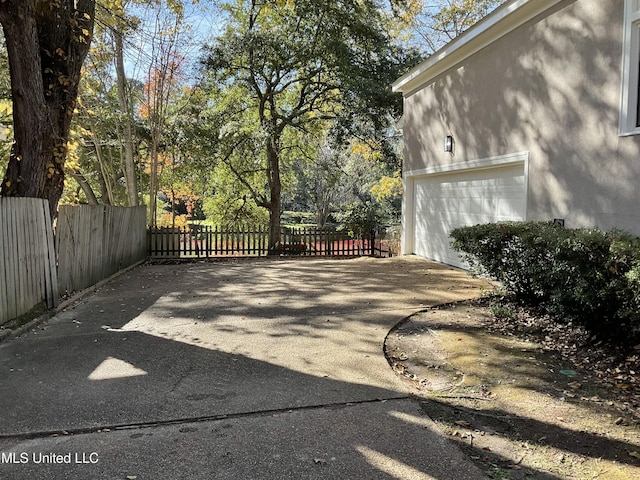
{"points": [[502, 312], [6, 133], [98, 127], [234, 212], [585, 276], [331, 178], [298, 218], [295, 67], [359, 219]]}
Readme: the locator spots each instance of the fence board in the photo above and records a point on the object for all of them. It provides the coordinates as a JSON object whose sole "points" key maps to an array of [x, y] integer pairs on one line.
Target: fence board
{"points": [[13, 274], [51, 271], [19, 245], [4, 266], [95, 241], [27, 261], [32, 283]]}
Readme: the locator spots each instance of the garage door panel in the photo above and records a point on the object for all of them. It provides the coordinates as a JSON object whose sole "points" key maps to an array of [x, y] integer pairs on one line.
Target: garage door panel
{"points": [[464, 205], [475, 206], [446, 201], [506, 210], [489, 206]]}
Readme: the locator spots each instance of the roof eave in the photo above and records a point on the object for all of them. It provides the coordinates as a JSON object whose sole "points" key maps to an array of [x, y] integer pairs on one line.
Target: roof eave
{"points": [[494, 26]]}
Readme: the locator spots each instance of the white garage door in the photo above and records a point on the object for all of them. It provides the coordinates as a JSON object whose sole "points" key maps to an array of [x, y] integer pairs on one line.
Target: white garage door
{"points": [[445, 201]]}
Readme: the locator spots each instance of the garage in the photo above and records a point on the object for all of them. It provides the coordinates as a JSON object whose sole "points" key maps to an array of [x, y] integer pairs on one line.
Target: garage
{"points": [[443, 201]]}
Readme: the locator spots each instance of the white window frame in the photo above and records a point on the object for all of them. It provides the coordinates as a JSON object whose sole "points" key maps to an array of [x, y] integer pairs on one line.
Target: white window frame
{"points": [[630, 69]]}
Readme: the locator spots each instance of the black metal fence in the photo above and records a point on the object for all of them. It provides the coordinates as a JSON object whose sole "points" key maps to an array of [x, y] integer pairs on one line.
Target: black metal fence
{"points": [[203, 241]]}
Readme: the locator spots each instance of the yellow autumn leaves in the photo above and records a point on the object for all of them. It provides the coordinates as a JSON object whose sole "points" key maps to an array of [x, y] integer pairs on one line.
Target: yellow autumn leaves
{"points": [[387, 187]]}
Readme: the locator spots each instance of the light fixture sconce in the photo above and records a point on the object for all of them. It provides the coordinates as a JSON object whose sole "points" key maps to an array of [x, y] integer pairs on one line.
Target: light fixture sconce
{"points": [[448, 143]]}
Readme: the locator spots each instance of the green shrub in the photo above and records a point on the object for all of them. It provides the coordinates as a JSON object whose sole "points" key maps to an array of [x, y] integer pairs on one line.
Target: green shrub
{"points": [[298, 218], [359, 218], [586, 276], [624, 266], [512, 253]]}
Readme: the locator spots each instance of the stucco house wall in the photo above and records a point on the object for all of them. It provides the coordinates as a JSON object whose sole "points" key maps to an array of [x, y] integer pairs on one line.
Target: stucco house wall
{"points": [[549, 91]]}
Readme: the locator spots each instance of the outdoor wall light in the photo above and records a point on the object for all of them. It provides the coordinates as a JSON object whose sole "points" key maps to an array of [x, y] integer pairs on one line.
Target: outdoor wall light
{"points": [[448, 143]]}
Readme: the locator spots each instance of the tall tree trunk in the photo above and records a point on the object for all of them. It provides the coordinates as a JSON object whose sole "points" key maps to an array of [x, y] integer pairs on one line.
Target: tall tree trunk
{"points": [[86, 188], [47, 43], [25, 174], [275, 191], [130, 177], [153, 179], [105, 181]]}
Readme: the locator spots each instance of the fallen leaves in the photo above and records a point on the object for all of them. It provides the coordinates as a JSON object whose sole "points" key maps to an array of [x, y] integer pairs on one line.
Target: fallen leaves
{"points": [[612, 365], [565, 364]]}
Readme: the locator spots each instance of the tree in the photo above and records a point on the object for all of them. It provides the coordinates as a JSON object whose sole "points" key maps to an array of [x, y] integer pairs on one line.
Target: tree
{"points": [[161, 85], [299, 63], [115, 27], [118, 27], [106, 163], [438, 22], [230, 146], [127, 94], [6, 133], [47, 42], [324, 179]]}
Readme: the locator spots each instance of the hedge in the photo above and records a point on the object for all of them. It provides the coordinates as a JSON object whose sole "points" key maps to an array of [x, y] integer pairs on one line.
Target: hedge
{"points": [[585, 276]]}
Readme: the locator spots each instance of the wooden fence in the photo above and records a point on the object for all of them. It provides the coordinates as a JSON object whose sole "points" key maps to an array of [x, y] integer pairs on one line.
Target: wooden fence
{"points": [[28, 274], [95, 241], [202, 241]]}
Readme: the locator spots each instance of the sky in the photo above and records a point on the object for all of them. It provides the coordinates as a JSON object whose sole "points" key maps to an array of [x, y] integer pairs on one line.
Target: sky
{"points": [[201, 23]]}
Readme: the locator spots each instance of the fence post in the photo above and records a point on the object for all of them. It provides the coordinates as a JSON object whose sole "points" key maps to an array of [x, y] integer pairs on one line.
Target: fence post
{"points": [[372, 242]]}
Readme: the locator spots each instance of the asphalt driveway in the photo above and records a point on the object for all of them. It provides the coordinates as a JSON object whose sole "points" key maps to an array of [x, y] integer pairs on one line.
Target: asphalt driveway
{"points": [[231, 370]]}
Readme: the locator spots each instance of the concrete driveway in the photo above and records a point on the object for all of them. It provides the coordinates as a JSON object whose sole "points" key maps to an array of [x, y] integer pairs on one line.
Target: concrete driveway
{"points": [[233, 370]]}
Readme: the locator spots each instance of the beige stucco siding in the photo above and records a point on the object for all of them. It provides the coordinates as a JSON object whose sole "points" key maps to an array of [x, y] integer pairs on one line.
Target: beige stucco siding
{"points": [[550, 88]]}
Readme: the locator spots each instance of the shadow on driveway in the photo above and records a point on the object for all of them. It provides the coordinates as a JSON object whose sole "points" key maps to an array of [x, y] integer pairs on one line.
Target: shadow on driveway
{"points": [[260, 369]]}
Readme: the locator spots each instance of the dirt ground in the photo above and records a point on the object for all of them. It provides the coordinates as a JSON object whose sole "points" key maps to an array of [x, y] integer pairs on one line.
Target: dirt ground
{"points": [[517, 408]]}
